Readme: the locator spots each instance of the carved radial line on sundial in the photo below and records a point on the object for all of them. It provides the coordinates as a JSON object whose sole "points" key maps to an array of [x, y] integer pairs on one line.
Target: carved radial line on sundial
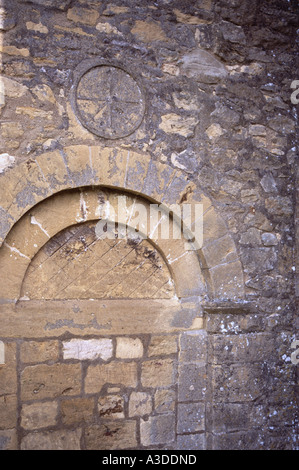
{"points": [[109, 102]]}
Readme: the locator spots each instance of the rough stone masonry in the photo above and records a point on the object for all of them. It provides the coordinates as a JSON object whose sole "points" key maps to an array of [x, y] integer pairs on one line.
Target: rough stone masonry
{"points": [[129, 343]]}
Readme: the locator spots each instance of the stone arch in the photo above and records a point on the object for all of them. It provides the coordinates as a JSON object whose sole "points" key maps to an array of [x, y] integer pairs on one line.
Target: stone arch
{"points": [[132, 349], [25, 186]]}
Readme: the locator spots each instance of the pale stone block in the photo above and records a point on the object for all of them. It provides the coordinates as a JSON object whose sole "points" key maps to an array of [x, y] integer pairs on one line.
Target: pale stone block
{"points": [[140, 404], [129, 348], [39, 415], [174, 124], [8, 372], [83, 349], [111, 406]]}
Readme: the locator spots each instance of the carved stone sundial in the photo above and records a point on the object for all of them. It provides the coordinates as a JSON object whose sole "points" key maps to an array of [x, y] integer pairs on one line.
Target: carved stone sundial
{"points": [[108, 101]]}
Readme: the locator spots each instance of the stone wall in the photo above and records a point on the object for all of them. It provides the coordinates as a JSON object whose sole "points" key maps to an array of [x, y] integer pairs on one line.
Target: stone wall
{"points": [[171, 102]]}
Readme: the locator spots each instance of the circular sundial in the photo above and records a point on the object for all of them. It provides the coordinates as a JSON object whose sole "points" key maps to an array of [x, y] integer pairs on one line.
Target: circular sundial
{"points": [[109, 102]]}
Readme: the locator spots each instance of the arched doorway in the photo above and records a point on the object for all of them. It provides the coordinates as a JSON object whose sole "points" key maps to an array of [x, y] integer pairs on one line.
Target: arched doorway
{"points": [[101, 327]]}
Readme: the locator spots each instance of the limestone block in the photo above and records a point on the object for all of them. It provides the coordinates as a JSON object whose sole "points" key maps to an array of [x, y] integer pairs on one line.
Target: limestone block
{"points": [[175, 124], [158, 373], [82, 349], [8, 411], [140, 404], [14, 51], [149, 31], [111, 435], [27, 236], [164, 400], [53, 169], [158, 430], [11, 130], [36, 351], [79, 165], [193, 346], [6, 161], [203, 66], [52, 319], [136, 171], [162, 345], [8, 372], [158, 178], [109, 167], [52, 440], [241, 348], [228, 284], [77, 410], [238, 382], [129, 348], [123, 373], [50, 381], [13, 266], [39, 415], [111, 406], [191, 417], [220, 251], [192, 382]]}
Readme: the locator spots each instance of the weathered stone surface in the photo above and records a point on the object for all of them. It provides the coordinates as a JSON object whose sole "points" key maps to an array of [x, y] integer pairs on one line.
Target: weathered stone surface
{"points": [[8, 371], [50, 381], [149, 31], [203, 66], [124, 373], [192, 382], [111, 436], [52, 440], [6, 161], [8, 440], [92, 317], [83, 15], [193, 346], [35, 351], [129, 348], [88, 349], [164, 400], [77, 410], [39, 415], [158, 373], [158, 430], [162, 345], [8, 411], [173, 124], [191, 417], [191, 442], [111, 406], [140, 404]]}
